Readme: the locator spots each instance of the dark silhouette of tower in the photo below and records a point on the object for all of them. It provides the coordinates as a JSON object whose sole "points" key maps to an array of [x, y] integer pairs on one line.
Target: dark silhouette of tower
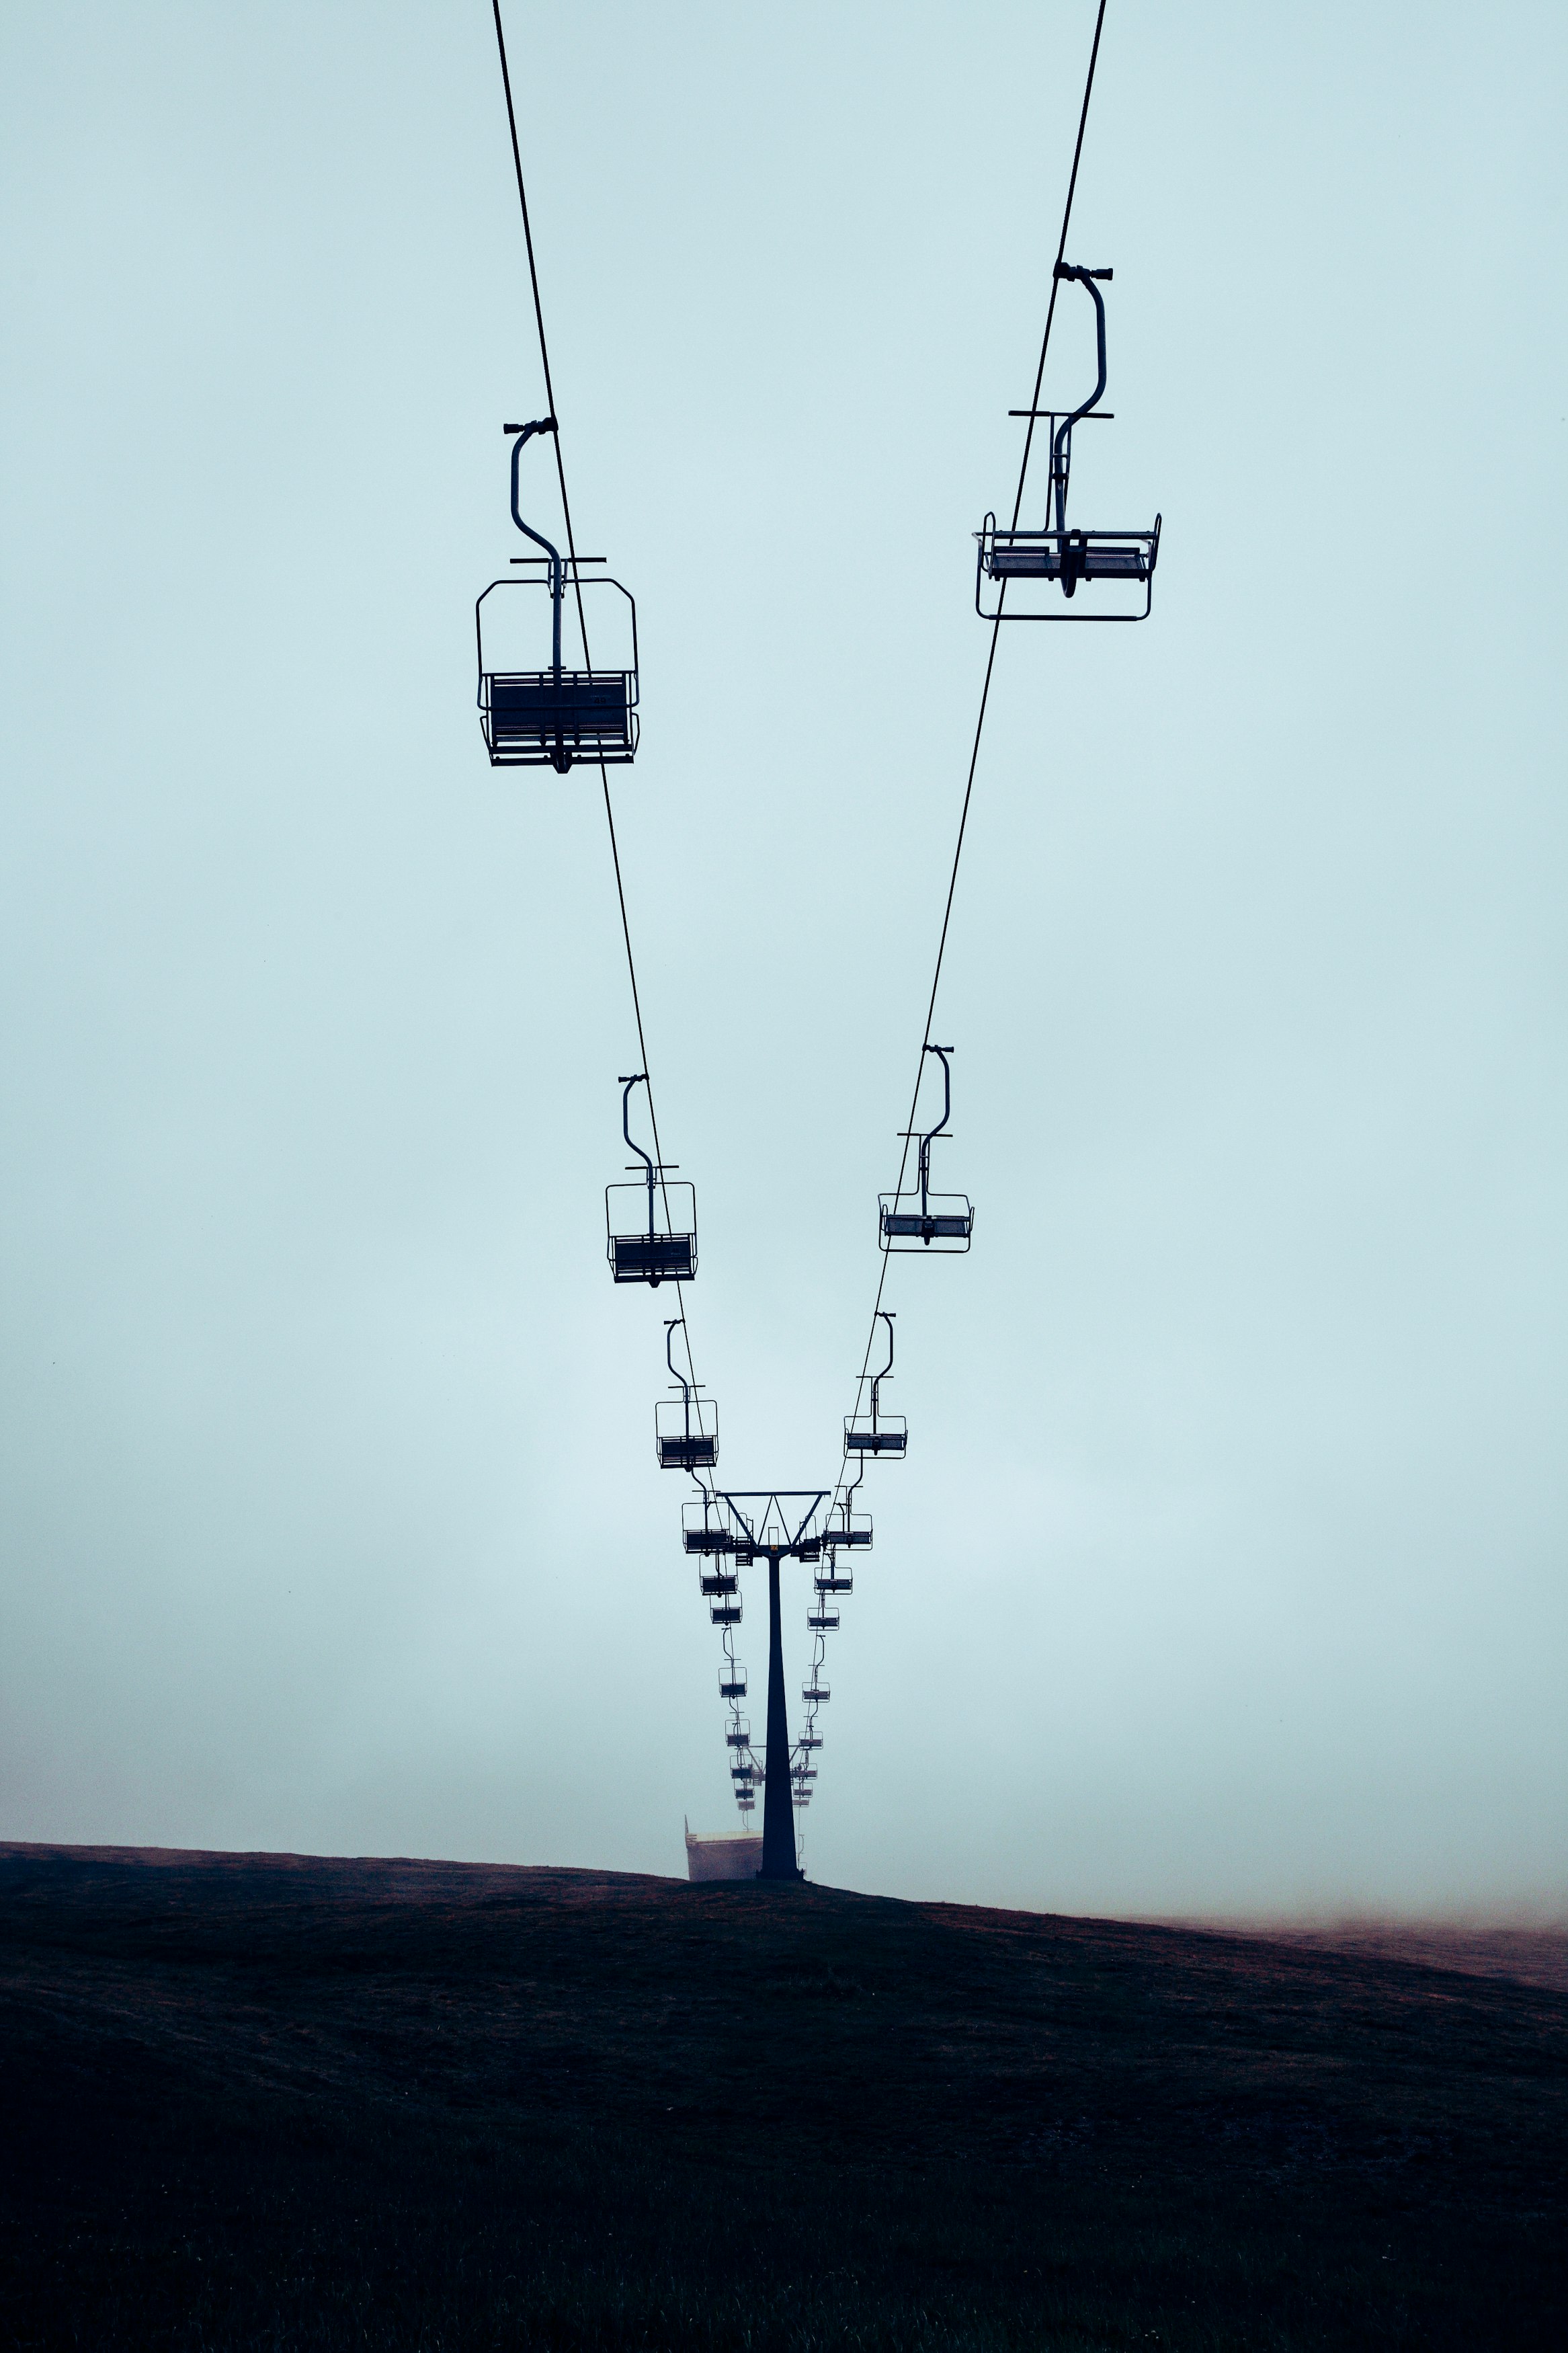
{"points": [[778, 1810]]}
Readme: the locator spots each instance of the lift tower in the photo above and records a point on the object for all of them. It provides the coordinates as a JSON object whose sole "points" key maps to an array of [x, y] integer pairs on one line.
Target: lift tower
{"points": [[763, 1524]]}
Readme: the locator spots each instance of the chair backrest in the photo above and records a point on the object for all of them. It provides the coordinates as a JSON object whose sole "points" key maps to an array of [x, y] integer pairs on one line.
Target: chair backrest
{"points": [[637, 1256], [585, 705]]}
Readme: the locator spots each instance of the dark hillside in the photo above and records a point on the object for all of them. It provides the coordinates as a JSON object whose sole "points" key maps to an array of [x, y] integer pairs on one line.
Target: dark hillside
{"points": [[271, 2101]]}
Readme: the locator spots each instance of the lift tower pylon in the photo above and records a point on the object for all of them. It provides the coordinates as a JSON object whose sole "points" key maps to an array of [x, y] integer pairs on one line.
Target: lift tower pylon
{"points": [[778, 1810]]}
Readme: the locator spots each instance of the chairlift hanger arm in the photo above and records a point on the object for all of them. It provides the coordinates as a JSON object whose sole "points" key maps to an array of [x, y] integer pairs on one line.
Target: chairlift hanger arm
{"points": [[886, 1315], [525, 434], [1061, 447], [674, 1323], [941, 1054], [638, 1079]]}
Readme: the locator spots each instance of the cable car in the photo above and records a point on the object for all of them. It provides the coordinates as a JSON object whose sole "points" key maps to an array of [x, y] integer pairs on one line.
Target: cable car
{"points": [[823, 1618], [536, 714], [639, 1252], [686, 1433], [1070, 559], [924, 1220], [725, 1612], [731, 1680], [816, 1692], [878, 1434]]}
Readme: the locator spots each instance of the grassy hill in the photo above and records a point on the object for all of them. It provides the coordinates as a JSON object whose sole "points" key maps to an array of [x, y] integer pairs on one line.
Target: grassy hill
{"points": [[281, 2102]]}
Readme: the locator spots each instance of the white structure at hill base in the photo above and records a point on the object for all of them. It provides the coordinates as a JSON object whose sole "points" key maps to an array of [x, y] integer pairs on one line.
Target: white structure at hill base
{"points": [[722, 1858]]}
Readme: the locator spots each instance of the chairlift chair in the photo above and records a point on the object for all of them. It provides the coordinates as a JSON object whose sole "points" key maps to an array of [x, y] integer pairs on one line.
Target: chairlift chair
{"points": [[725, 1612], [702, 1530], [833, 1579], [731, 1682], [739, 1735], [847, 1530], [815, 1693], [718, 1580], [687, 1433], [823, 1618], [922, 1219], [809, 1738], [1069, 558], [741, 1769], [874, 1436], [547, 716], [639, 1251]]}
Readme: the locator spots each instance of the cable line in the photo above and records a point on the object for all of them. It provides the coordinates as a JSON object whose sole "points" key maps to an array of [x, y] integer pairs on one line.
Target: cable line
{"points": [[581, 622], [729, 1529], [985, 688]]}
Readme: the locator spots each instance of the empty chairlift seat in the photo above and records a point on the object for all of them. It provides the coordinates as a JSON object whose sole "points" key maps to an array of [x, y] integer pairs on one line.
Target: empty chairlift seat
{"points": [[533, 718], [534, 710], [651, 1226], [687, 1433], [1058, 556], [875, 1436], [920, 1220], [704, 1529]]}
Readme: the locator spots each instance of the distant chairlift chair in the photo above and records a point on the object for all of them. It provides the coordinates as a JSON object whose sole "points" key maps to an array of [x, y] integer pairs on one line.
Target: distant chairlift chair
{"points": [[871, 1437], [639, 1252], [539, 718], [923, 1219], [1057, 554], [704, 1529], [686, 1433]]}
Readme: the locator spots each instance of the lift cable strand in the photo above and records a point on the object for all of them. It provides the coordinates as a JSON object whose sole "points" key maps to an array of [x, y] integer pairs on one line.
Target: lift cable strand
{"points": [[985, 688], [582, 623]]}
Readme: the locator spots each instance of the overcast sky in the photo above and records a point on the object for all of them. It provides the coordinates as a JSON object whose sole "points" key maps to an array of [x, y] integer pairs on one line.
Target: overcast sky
{"points": [[1226, 1568]]}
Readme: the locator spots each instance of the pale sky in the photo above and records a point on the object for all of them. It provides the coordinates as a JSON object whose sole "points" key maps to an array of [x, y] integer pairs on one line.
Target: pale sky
{"points": [[1226, 1568]]}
